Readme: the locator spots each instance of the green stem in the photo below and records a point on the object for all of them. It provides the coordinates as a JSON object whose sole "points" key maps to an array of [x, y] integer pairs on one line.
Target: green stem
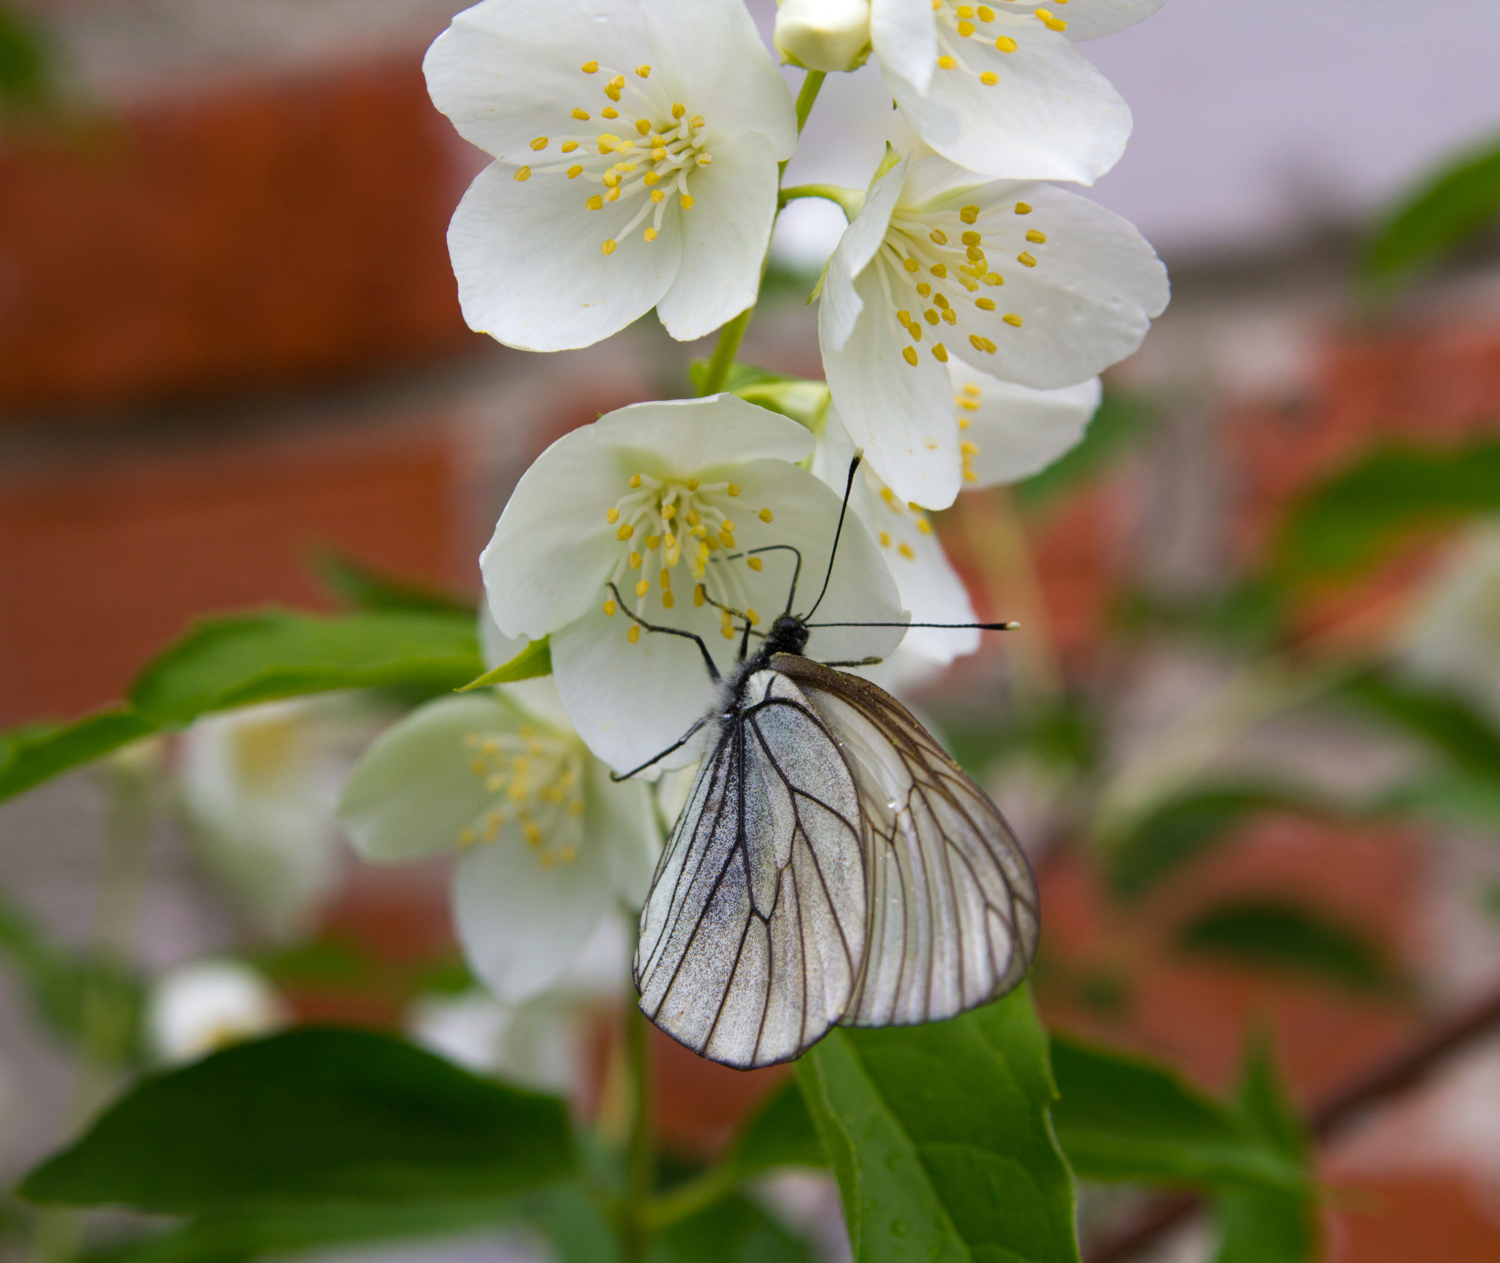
{"points": [[640, 1152], [811, 86], [724, 352], [691, 1197], [847, 200]]}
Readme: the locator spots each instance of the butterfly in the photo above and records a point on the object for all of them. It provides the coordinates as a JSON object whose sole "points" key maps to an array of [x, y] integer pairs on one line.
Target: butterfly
{"points": [[832, 864]]}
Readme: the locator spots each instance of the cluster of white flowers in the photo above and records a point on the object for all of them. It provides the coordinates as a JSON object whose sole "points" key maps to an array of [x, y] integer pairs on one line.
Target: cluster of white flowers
{"points": [[964, 318]]}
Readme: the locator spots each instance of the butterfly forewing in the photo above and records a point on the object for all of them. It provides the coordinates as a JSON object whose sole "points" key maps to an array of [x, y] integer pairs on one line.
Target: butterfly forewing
{"points": [[754, 932], [952, 903]]}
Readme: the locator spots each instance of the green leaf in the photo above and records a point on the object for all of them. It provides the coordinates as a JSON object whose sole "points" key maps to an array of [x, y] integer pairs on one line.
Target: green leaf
{"points": [[235, 661], [1452, 204], [573, 1223], [1281, 937], [1352, 520], [26, 70], [366, 588], [1122, 1118], [532, 661], [31, 755], [1262, 1225], [1443, 720], [309, 1116], [1120, 423], [732, 1230], [240, 1236], [1453, 796], [1184, 827], [940, 1138]]}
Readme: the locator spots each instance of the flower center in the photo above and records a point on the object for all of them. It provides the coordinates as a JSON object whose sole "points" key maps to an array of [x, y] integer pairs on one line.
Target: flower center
{"points": [[934, 264], [664, 523], [959, 22], [536, 779], [641, 147]]}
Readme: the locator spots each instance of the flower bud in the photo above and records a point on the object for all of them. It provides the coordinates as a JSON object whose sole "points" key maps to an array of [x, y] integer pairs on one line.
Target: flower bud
{"points": [[824, 34]]}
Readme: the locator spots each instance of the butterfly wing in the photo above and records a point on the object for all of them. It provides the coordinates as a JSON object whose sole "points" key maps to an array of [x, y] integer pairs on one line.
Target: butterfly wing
{"points": [[754, 931], [953, 904]]}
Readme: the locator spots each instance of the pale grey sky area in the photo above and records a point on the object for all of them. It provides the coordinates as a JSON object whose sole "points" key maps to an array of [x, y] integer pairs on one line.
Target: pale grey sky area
{"points": [[1257, 122]]}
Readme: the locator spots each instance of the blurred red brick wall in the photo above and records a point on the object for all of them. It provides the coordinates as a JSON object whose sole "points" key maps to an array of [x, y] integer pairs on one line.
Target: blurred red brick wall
{"points": [[263, 234]]}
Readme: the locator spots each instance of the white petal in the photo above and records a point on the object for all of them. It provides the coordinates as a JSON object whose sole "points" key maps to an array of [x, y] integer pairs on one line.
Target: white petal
{"points": [[928, 585], [840, 304], [531, 271], [1087, 303], [724, 238], [1020, 431], [622, 813], [1051, 115], [688, 436], [904, 37], [1097, 17], [522, 924], [711, 58], [629, 702], [900, 414], [413, 791], [553, 548], [496, 647], [507, 71]]}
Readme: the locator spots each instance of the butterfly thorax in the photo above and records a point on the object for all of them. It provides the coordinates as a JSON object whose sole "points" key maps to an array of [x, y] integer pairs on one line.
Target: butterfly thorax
{"points": [[788, 634]]}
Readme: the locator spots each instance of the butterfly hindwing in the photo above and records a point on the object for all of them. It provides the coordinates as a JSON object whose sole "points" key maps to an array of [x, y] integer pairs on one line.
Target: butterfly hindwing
{"points": [[754, 931], [953, 907]]}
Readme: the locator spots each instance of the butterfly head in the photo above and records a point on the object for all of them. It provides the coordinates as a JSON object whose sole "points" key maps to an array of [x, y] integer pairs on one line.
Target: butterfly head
{"points": [[788, 634]]}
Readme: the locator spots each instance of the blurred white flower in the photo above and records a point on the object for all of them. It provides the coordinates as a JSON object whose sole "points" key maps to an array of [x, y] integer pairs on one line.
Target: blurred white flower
{"points": [[823, 34], [198, 1008], [635, 151], [1040, 287], [258, 788], [541, 1044], [670, 508], [549, 844], [1000, 89], [1453, 639]]}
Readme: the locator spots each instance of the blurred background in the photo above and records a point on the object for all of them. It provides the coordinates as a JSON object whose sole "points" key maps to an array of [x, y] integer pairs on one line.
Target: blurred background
{"points": [[1250, 732]]}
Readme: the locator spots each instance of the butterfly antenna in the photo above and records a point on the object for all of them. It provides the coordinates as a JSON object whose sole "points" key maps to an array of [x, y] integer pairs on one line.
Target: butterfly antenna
{"points": [[833, 552], [943, 626]]}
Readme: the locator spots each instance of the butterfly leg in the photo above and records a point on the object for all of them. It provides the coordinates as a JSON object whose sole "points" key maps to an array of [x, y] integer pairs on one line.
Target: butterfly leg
{"points": [[713, 671], [657, 758]]}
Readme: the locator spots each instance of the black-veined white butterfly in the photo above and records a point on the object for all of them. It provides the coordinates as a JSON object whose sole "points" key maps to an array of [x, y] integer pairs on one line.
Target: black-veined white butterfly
{"points": [[832, 864]]}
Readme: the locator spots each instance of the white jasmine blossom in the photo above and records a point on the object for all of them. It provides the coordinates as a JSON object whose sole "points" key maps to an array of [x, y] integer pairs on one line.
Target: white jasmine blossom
{"points": [[1000, 89], [823, 34], [258, 787], [636, 149], [548, 844], [198, 1008], [677, 513], [1033, 285]]}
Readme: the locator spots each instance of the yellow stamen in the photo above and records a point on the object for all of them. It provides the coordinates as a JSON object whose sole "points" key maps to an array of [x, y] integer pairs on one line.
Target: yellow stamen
{"points": [[607, 247], [733, 489], [580, 114], [765, 515], [1027, 258], [634, 634], [595, 203], [612, 516], [941, 352], [642, 587], [1006, 45], [909, 354], [1022, 208], [644, 71], [969, 214], [1012, 319], [985, 304], [609, 609], [989, 78], [523, 173], [948, 63], [574, 172], [589, 67], [687, 202], [754, 563]]}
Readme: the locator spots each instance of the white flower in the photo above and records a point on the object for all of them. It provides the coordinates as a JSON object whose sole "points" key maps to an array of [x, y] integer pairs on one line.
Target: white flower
{"points": [[928, 584], [635, 151], [674, 504], [823, 34], [1454, 638], [549, 845], [1006, 433], [1000, 89], [258, 788], [1036, 286], [543, 1043], [195, 1009]]}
